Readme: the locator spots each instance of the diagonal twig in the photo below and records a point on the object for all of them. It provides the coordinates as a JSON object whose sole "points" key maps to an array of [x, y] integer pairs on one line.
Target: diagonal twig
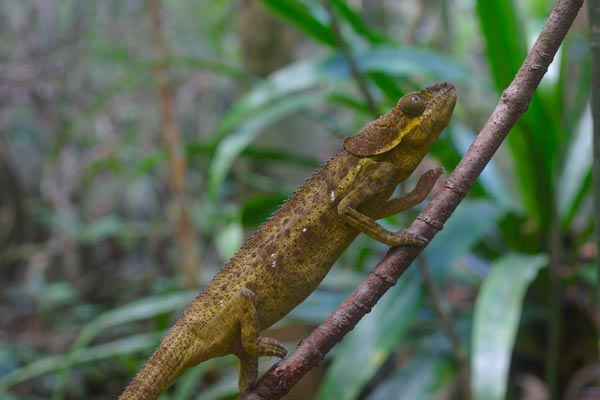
{"points": [[349, 57], [184, 231], [514, 101]]}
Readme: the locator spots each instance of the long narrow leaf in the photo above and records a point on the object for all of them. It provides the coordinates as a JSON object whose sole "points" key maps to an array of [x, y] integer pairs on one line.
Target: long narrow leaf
{"points": [[505, 40], [129, 345], [307, 84], [496, 320], [231, 147], [357, 22], [536, 139], [577, 166], [422, 378], [322, 72], [303, 18], [139, 310]]}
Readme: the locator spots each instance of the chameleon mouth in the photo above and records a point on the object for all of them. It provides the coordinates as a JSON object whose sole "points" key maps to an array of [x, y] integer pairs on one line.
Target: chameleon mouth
{"points": [[441, 89], [444, 93]]}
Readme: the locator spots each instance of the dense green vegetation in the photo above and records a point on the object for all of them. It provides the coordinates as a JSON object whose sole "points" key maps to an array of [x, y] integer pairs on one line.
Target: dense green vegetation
{"points": [[90, 246]]}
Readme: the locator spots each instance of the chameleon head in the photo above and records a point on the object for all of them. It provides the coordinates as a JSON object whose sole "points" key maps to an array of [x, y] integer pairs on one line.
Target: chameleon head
{"points": [[418, 119]]}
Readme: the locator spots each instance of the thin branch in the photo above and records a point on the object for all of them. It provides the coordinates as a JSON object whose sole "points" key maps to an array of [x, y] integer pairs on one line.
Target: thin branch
{"points": [[347, 54], [514, 101], [186, 238], [594, 18]]}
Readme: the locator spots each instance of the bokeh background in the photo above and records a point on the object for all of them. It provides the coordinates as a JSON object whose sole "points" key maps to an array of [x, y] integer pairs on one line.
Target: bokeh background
{"points": [[141, 141]]}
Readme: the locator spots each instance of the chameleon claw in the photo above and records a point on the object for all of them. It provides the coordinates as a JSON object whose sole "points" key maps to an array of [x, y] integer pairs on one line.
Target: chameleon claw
{"points": [[420, 241], [410, 238], [437, 172], [428, 179]]}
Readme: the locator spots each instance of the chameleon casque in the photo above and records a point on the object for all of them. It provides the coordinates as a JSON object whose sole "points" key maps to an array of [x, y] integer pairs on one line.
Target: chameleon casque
{"points": [[288, 256]]}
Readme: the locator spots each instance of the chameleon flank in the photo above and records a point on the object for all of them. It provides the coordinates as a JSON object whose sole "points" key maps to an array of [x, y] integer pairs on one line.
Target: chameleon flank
{"points": [[287, 257]]}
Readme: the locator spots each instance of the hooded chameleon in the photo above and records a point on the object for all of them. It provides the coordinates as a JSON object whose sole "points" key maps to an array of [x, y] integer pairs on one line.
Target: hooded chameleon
{"points": [[288, 256]]}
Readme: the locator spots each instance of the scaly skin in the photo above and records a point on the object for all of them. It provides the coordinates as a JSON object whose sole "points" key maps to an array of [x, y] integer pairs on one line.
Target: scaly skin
{"points": [[288, 256]]}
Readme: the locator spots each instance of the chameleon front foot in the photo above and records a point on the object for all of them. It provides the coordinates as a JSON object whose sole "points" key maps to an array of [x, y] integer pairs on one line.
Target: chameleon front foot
{"points": [[403, 238]]}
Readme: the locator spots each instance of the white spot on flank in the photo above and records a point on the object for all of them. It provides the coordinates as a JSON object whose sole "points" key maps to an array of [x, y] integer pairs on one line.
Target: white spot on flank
{"points": [[304, 230], [358, 167], [332, 196], [221, 303], [274, 257]]}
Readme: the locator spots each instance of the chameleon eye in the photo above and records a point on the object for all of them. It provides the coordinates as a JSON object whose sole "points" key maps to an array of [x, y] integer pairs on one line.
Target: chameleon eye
{"points": [[412, 105]]}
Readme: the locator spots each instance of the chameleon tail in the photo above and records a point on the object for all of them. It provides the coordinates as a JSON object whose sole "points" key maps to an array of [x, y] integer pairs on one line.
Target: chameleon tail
{"points": [[163, 367]]}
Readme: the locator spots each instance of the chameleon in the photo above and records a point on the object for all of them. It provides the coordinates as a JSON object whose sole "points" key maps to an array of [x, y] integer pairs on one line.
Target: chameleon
{"points": [[284, 261]]}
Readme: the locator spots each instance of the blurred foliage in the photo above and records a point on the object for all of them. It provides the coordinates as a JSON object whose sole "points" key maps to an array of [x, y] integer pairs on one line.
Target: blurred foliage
{"points": [[89, 281]]}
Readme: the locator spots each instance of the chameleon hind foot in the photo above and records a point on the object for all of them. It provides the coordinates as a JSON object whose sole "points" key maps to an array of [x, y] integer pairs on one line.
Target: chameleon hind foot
{"points": [[270, 347]]}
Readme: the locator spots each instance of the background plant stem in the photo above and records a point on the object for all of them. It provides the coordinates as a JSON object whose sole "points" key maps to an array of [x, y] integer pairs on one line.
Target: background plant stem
{"points": [[184, 232]]}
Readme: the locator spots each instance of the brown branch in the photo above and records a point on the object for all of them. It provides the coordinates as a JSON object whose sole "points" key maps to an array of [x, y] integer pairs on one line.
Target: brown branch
{"points": [[514, 101], [186, 238], [594, 21]]}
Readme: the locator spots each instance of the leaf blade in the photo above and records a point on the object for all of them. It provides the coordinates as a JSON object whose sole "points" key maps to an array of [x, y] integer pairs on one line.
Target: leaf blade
{"points": [[496, 318]]}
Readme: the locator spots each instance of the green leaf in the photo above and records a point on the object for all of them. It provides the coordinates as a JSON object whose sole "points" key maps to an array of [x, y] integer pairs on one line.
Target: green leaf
{"points": [[229, 238], [187, 384], [307, 84], [322, 73], [317, 307], [286, 82], [576, 167], [535, 141], [129, 345], [365, 349], [142, 309], [412, 62], [496, 320], [505, 42], [303, 14], [357, 21], [102, 228], [257, 209], [139, 310], [470, 223], [491, 179], [422, 378], [149, 162], [231, 146]]}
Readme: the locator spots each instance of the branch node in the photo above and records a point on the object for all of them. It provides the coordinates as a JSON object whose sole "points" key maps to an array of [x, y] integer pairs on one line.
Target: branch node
{"points": [[512, 97], [362, 306], [388, 280], [539, 67], [437, 225], [457, 188]]}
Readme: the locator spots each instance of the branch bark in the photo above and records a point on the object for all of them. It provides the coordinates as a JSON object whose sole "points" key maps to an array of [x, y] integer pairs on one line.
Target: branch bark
{"points": [[514, 101], [184, 232]]}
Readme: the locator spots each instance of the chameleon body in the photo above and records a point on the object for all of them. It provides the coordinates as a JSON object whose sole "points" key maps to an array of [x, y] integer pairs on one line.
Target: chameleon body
{"points": [[288, 256]]}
